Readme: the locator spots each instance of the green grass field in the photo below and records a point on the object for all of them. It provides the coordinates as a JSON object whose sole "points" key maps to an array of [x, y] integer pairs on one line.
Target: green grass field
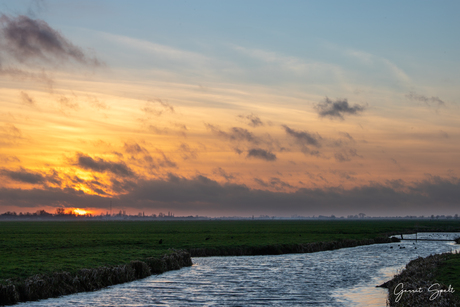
{"points": [[449, 273], [28, 248]]}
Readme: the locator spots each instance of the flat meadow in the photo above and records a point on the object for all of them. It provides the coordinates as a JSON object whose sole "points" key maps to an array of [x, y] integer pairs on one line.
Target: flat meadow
{"points": [[42, 247]]}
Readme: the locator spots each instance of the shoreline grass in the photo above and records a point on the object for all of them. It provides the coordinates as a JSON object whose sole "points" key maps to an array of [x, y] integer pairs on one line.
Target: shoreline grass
{"points": [[429, 281]]}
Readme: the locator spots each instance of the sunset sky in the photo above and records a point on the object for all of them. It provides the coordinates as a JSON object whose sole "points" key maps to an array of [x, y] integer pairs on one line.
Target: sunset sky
{"points": [[230, 108]]}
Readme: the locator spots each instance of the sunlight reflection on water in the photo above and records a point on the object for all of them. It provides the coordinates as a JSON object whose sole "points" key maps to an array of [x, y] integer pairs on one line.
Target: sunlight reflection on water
{"points": [[345, 277]]}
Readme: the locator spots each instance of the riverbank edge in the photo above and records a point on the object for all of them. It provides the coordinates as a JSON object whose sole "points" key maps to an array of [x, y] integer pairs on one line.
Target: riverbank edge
{"points": [[419, 275], [63, 283], [279, 249], [57, 284]]}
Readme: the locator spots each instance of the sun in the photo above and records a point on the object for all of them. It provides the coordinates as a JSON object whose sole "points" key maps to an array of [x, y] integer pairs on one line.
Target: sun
{"points": [[80, 211]]}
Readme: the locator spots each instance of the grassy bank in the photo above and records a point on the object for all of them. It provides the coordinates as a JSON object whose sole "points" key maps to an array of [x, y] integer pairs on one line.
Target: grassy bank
{"points": [[426, 281], [29, 248], [448, 272]]}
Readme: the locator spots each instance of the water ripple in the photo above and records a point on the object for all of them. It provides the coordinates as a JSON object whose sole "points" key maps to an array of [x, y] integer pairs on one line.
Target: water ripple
{"points": [[345, 277]]}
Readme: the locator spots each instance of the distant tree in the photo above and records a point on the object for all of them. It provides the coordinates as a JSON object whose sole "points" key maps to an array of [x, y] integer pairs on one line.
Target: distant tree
{"points": [[361, 215], [60, 211], [42, 213], [9, 213]]}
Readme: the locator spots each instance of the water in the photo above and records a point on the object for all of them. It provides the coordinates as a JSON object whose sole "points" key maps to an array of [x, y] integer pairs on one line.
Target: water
{"points": [[345, 277]]}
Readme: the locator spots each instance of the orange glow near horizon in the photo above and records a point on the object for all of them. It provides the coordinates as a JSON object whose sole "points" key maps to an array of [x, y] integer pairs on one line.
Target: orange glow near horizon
{"points": [[78, 211]]}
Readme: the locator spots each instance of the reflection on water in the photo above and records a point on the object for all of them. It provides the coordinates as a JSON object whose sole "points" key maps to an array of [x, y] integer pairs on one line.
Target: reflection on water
{"points": [[345, 277]]}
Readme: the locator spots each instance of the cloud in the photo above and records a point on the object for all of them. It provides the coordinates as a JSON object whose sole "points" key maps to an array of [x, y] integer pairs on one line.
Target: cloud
{"points": [[427, 100], [344, 175], [235, 134], [9, 159], [68, 103], [156, 107], [164, 130], [274, 183], [135, 149], [11, 131], [29, 40], [201, 195], [98, 105], [347, 135], [19, 74], [101, 166], [305, 140], [346, 155], [26, 99], [221, 172], [32, 177], [23, 175], [186, 152], [10, 134], [262, 154], [303, 137], [253, 120], [337, 109]]}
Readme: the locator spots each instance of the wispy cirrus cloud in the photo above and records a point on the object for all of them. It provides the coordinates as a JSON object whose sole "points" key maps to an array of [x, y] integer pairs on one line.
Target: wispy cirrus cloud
{"points": [[252, 120], [433, 100], [234, 134], [157, 107], [27, 100]]}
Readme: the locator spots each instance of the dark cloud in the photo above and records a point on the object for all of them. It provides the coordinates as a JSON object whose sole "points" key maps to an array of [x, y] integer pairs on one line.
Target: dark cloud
{"points": [[29, 40], [252, 120], [304, 138], [338, 108], [26, 99], [101, 166], [57, 197], [261, 154], [427, 100], [32, 177], [23, 175], [201, 195], [204, 195]]}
